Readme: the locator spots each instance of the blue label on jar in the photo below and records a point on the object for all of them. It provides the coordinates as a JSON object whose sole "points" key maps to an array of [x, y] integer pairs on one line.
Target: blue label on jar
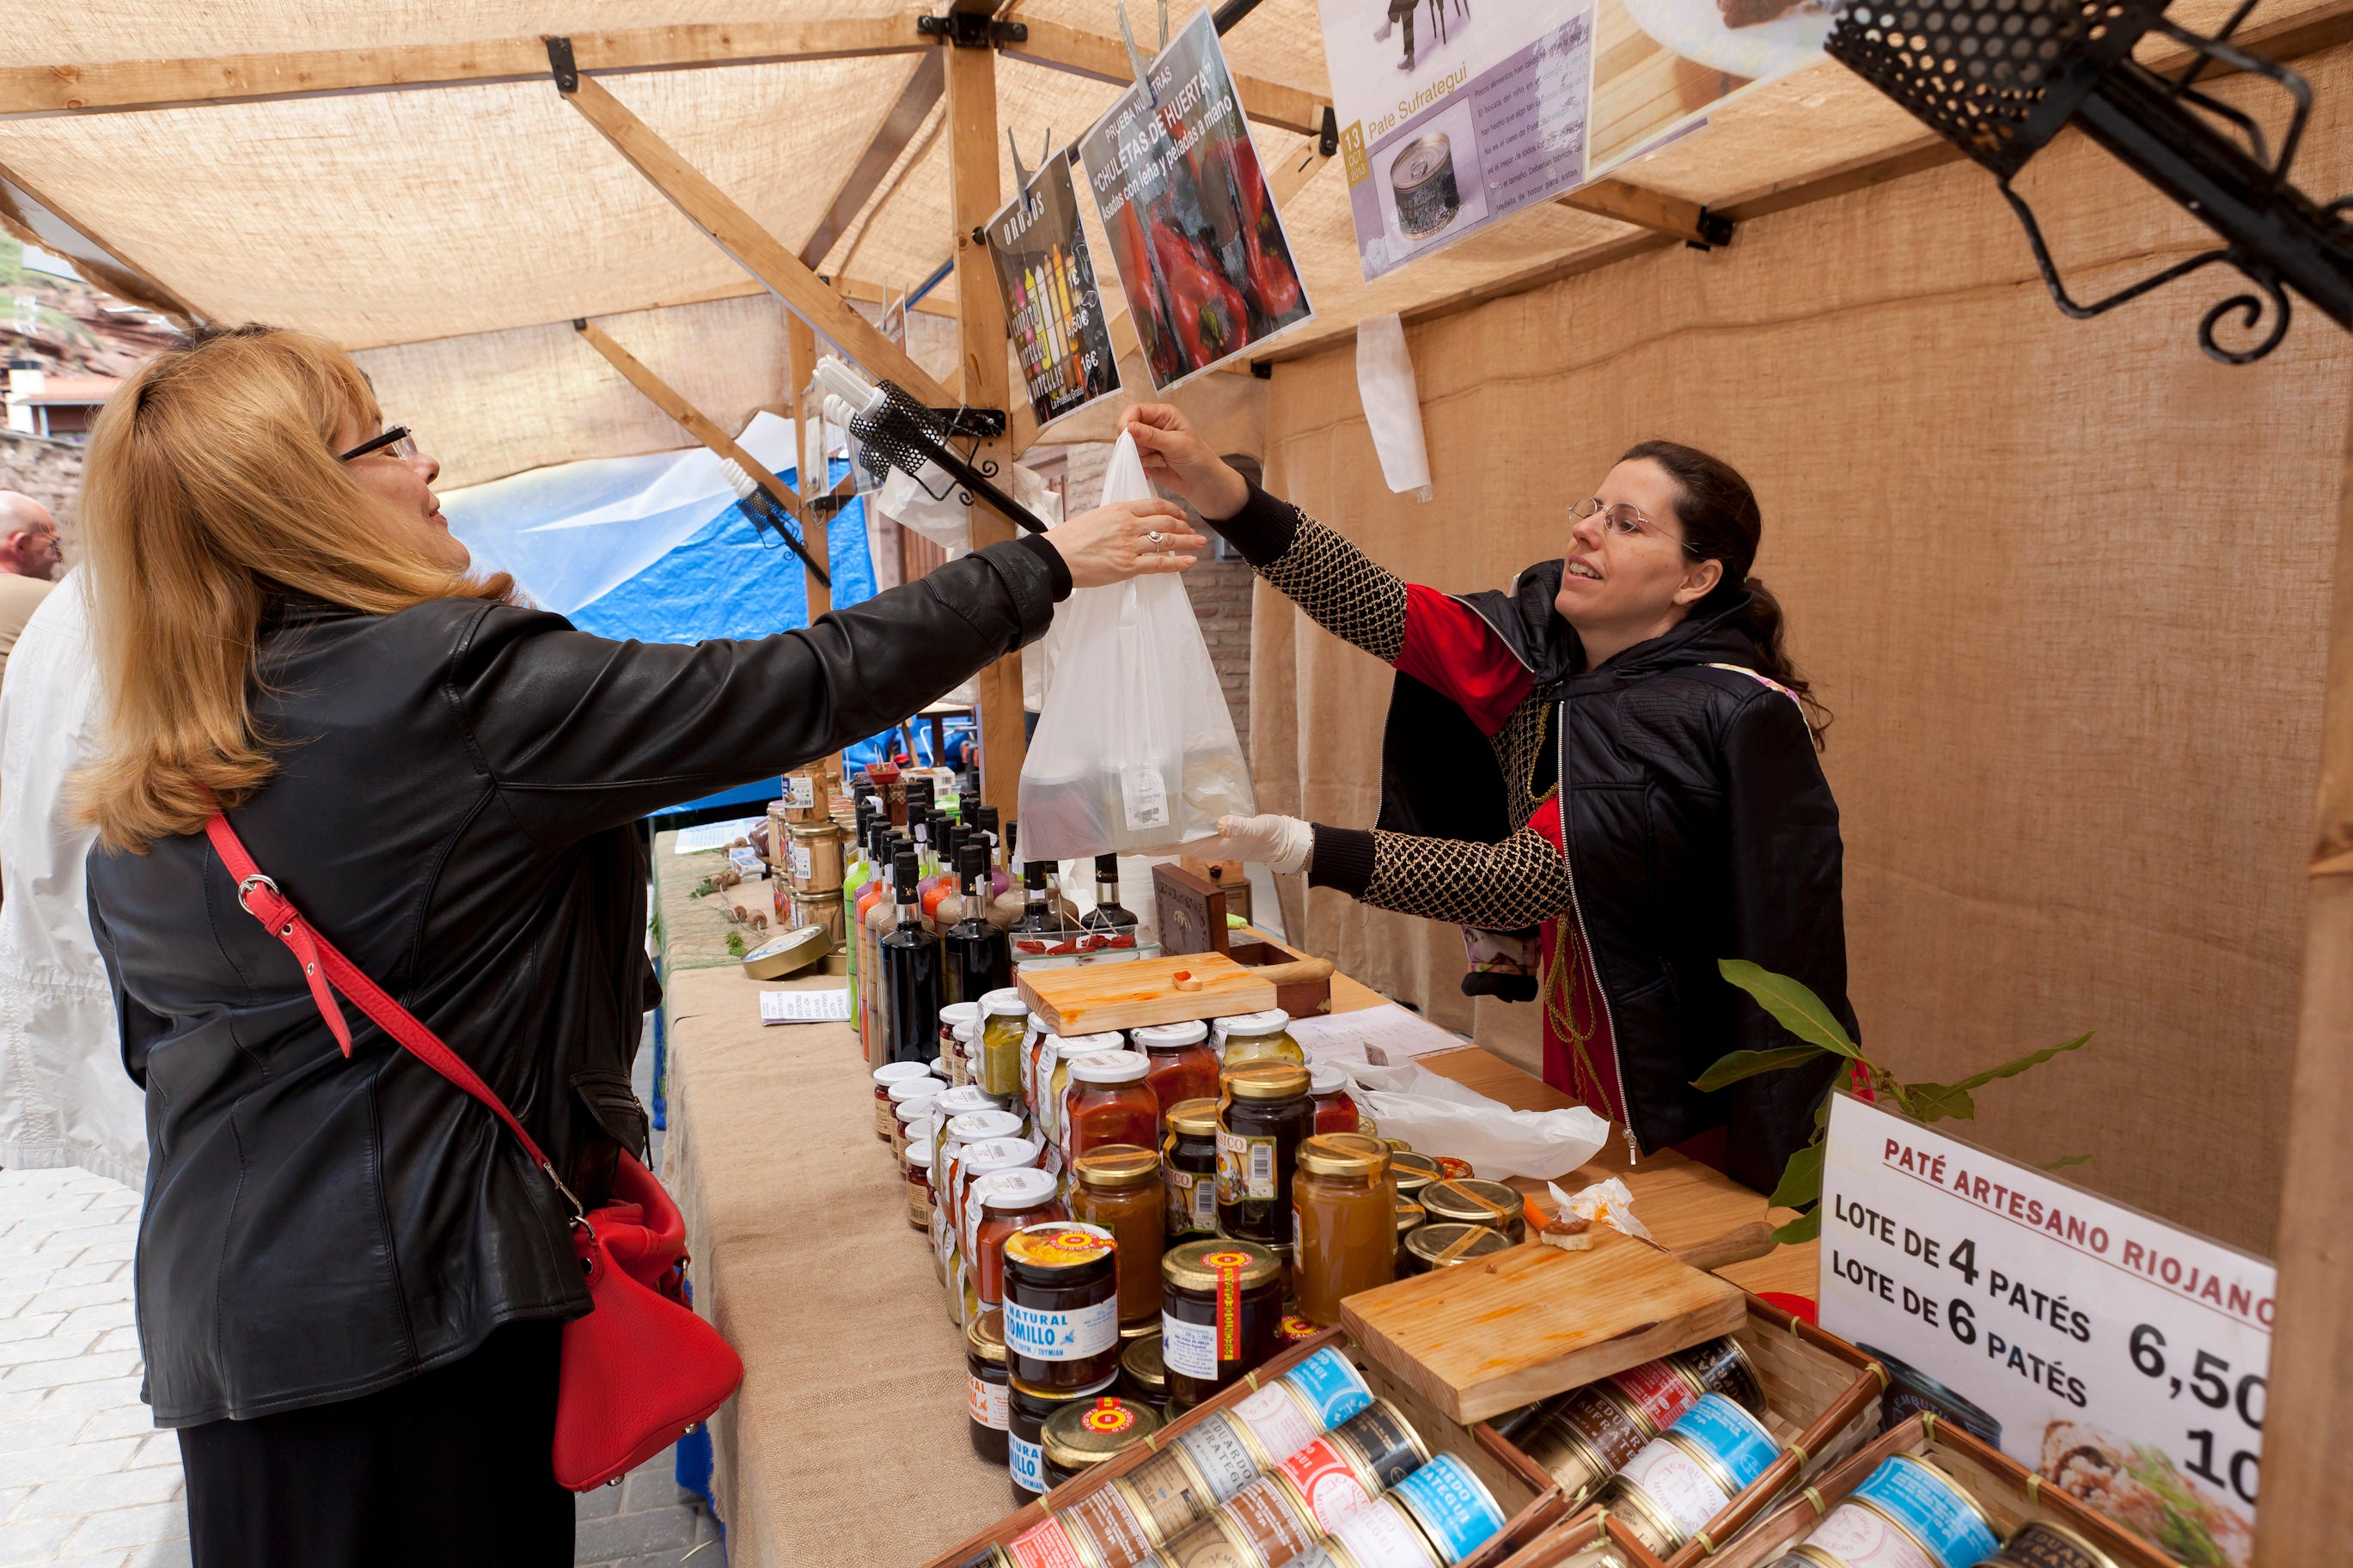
{"points": [[1333, 1389], [1026, 1460], [1929, 1507], [1452, 1507], [1732, 1437]]}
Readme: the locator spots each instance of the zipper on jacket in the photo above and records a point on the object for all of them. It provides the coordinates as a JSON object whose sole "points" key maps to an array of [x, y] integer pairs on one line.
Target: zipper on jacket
{"points": [[1577, 908]]}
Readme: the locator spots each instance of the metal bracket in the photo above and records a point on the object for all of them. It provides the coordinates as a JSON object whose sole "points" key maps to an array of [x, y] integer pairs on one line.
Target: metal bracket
{"points": [[974, 423], [1715, 230], [1327, 141], [560, 61], [973, 30]]}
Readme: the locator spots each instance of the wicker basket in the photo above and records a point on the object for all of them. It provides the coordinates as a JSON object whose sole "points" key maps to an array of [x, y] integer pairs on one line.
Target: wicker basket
{"points": [[1595, 1538], [2008, 1493]]}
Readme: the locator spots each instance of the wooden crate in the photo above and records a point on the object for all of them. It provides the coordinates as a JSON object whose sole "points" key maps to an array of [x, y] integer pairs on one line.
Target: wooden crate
{"points": [[1821, 1400], [2008, 1493], [1531, 1503], [1594, 1538]]}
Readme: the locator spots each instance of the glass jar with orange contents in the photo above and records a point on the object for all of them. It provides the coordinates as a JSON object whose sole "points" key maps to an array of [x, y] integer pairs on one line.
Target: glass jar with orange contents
{"points": [[1004, 1202], [1116, 1186], [1335, 1112], [1109, 1102], [1343, 1215], [1184, 1066]]}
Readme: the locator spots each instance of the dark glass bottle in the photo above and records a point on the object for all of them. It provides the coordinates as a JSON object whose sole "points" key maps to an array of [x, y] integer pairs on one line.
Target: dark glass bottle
{"points": [[1109, 923], [911, 975], [978, 959], [1037, 918]]}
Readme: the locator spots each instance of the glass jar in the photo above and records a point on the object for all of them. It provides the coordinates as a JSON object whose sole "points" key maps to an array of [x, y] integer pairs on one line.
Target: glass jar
{"points": [[1142, 1373], [986, 1392], [1220, 1315], [963, 1101], [1260, 1037], [1183, 1065], [1116, 1186], [1189, 1169], [1001, 1015], [1107, 1101], [1467, 1200], [886, 1075], [1345, 1218], [1335, 1112], [1006, 1201], [1265, 1115], [1026, 1410], [1056, 1056], [915, 1168], [913, 1116], [1061, 1305], [954, 1016], [1085, 1432], [1447, 1245], [1409, 1218], [1409, 1172]]}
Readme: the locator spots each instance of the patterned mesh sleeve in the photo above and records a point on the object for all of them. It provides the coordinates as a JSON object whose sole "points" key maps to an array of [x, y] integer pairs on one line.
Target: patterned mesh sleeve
{"points": [[1345, 592], [1495, 887]]}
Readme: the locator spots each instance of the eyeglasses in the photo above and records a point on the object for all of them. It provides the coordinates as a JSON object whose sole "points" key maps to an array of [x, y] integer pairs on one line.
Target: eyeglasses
{"points": [[1625, 522], [396, 442]]}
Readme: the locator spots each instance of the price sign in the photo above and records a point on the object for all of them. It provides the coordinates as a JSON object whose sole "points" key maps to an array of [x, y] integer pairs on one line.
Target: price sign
{"points": [[2122, 1358]]}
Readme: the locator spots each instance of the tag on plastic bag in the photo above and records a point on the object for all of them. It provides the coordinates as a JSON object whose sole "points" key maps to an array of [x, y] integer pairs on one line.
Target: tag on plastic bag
{"points": [[1440, 1116]]}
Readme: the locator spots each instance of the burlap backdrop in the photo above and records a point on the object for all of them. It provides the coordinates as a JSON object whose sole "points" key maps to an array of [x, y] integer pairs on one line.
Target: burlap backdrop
{"points": [[2065, 584]]}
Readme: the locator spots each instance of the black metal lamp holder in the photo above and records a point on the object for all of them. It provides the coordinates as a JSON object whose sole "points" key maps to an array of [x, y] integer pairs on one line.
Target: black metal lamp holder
{"points": [[907, 436]]}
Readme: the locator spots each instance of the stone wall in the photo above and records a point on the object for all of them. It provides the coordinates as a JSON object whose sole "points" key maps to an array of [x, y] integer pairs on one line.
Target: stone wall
{"points": [[49, 471]]}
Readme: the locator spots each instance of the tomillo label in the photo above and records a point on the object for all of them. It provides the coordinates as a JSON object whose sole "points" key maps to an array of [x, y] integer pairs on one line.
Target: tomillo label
{"points": [[1026, 1460], [988, 1403], [1042, 1334]]}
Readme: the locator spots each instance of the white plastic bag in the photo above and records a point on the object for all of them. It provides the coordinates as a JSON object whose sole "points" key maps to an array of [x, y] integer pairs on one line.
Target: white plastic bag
{"points": [[1135, 750], [1440, 1116]]}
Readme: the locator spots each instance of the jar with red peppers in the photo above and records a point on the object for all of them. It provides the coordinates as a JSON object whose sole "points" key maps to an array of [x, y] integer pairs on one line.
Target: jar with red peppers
{"points": [[1109, 1102], [1335, 1112], [1183, 1065]]}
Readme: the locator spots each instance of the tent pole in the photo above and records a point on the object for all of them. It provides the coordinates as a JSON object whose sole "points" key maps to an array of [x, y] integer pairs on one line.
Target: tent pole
{"points": [[973, 144], [800, 368], [2306, 1513]]}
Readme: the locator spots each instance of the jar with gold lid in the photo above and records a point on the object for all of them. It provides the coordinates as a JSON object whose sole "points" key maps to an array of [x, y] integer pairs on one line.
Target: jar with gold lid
{"points": [[1410, 1172], [1265, 1116], [1222, 1310], [1116, 1186], [1061, 1305], [1436, 1245], [1085, 1432], [1142, 1373], [1467, 1200], [985, 1386], [1260, 1037], [1344, 1221], [1188, 1168]]}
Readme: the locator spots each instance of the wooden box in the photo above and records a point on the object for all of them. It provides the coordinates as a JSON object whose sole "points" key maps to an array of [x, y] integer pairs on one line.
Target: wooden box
{"points": [[1192, 908], [1531, 1503], [1595, 1538], [1821, 1400], [2008, 1492]]}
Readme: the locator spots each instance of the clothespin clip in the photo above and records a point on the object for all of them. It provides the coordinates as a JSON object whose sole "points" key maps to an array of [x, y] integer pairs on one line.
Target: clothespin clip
{"points": [[1136, 57]]}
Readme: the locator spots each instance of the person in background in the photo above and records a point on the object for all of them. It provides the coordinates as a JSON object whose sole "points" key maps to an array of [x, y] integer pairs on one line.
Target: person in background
{"points": [[1610, 765], [28, 559], [63, 1097]]}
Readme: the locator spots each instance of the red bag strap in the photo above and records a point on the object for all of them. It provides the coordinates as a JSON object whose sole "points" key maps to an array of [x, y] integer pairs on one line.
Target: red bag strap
{"points": [[322, 966]]}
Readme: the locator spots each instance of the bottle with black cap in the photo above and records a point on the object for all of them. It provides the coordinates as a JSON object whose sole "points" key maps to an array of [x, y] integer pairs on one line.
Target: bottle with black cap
{"points": [[911, 975], [978, 959], [1109, 924], [1036, 922]]}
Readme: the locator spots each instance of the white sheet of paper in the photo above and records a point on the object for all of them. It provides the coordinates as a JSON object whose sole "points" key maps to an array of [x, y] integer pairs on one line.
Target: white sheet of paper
{"points": [[804, 1006], [1385, 1037], [714, 835]]}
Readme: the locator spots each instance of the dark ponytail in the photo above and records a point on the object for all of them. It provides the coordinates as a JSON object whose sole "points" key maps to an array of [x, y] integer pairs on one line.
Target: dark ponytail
{"points": [[1720, 521]]}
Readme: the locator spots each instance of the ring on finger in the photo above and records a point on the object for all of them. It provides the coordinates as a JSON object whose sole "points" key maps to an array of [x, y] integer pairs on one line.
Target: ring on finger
{"points": [[1156, 539]]}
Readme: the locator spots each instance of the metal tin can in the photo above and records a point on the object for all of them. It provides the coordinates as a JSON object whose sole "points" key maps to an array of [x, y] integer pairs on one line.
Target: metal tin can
{"points": [[1585, 1435], [1278, 1422], [1454, 1506], [1421, 179], [1260, 1527], [1857, 1535], [1046, 1544], [1933, 1509], [1329, 1480], [1114, 1533], [2039, 1543], [1224, 1455], [1722, 1367], [1211, 1543], [1166, 1493], [1911, 1391], [1332, 1389], [1688, 1474], [1434, 1246], [1385, 1536], [1383, 1443], [1469, 1201]]}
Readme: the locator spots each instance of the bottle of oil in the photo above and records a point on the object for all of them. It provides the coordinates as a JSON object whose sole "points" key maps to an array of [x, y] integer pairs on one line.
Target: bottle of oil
{"points": [[911, 975], [1036, 923], [978, 959]]}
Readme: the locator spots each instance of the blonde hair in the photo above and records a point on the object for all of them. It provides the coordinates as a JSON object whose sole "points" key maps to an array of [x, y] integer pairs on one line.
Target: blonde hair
{"points": [[212, 488]]}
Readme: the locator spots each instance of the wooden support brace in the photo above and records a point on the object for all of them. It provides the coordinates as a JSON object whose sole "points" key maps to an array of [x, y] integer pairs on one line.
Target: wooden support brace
{"points": [[1100, 57], [1687, 221], [698, 425], [120, 275], [752, 248], [801, 366]]}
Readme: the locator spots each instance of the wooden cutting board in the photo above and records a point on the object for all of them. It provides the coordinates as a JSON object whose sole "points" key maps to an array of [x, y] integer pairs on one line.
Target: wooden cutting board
{"points": [[1534, 1321], [1088, 998]]}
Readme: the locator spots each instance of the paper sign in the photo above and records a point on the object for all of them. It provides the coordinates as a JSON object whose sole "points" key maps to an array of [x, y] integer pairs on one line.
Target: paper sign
{"points": [[805, 1006], [2120, 1357], [1385, 1036], [1051, 308], [1202, 254], [713, 836]]}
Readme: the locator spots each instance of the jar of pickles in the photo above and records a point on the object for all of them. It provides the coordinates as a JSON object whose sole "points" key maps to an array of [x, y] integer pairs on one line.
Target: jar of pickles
{"points": [[1107, 1100], [1220, 1311], [1188, 1168], [1116, 1186], [1260, 1037], [1001, 1027], [1006, 1202], [1265, 1116], [1345, 1219], [1061, 1305], [1335, 1112], [1183, 1065]]}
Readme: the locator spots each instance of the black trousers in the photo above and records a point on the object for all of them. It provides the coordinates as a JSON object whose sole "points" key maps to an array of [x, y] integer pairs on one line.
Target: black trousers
{"points": [[449, 1469]]}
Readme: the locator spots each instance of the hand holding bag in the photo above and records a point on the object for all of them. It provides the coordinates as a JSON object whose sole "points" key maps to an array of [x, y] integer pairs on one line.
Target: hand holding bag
{"points": [[639, 1369]]}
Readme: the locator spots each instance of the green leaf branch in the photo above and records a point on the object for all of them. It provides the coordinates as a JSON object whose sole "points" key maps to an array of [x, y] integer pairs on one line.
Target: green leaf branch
{"points": [[1804, 1014]]}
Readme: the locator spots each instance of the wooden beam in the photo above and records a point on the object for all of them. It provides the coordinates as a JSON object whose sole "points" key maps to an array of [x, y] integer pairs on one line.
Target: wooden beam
{"points": [[118, 274], [42, 91], [915, 102], [698, 425], [1102, 57], [870, 293], [800, 365], [748, 245], [974, 198], [1288, 176], [1661, 214]]}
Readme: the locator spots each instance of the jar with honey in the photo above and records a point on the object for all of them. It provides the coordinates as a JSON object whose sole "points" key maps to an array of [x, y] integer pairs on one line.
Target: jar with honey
{"points": [[1222, 1310], [1189, 1169], [1344, 1220], [1183, 1065], [1260, 1037], [1061, 1305], [1108, 1102], [1116, 1187]]}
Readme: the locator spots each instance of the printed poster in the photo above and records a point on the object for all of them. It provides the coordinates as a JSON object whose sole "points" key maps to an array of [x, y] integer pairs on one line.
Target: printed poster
{"points": [[1051, 308], [2121, 1359], [1202, 253]]}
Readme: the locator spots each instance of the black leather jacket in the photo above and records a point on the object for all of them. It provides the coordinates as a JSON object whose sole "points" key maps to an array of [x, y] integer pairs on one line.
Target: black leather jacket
{"points": [[455, 808]]}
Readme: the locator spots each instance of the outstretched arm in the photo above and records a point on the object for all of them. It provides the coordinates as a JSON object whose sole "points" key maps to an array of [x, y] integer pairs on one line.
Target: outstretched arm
{"points": [[1508, 886]]}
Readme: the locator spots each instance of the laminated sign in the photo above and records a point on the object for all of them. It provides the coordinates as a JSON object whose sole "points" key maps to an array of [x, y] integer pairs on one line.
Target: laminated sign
{"points": [[1053, 311], [2121, 1359]]}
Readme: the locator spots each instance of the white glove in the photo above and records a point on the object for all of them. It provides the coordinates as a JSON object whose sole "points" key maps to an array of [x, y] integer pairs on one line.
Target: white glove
{"points": [[1281, 844]]}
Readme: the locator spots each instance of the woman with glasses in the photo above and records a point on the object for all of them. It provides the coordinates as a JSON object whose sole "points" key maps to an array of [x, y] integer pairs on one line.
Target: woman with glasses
{"points": [[1606, 774], [351, 1283]]}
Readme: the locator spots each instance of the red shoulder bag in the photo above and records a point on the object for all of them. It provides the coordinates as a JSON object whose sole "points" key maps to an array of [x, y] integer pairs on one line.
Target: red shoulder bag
{"points": [[639, 1369]]}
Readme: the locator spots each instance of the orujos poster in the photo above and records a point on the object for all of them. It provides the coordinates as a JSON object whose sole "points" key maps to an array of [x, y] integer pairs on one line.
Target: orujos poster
{"points": [[1052, 310], [1203, 261]]}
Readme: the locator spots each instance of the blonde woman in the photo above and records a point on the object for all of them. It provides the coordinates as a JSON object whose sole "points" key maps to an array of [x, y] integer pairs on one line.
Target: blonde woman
{"points": [[350, 1282]]}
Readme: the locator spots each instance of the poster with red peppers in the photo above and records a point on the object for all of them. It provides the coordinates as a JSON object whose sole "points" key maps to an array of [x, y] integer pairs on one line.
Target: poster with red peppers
{"points": [[1202, 257]]}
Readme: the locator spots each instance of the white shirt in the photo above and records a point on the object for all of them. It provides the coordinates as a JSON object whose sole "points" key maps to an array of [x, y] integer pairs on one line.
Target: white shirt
{"points": [[64, 1096]]}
